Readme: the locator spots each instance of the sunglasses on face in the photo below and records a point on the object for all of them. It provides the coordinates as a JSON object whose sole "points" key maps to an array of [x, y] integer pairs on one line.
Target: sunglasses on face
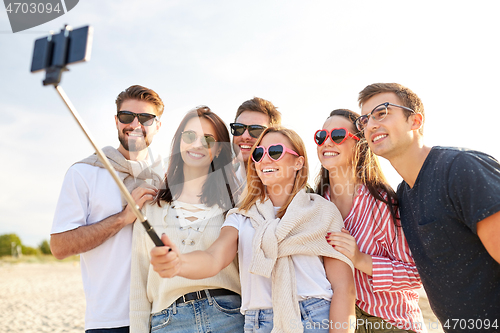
{"points": [[275, 152], [378, 113], [127, 117], [207, 141], [237, 129], [338, 136]]}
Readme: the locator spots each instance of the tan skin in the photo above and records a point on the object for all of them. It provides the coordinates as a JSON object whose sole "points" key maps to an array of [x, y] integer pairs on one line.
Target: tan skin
{"points": [[196, 159], [337, 160], [403, 146], [242, 144], [88, 237], [202, 264]]}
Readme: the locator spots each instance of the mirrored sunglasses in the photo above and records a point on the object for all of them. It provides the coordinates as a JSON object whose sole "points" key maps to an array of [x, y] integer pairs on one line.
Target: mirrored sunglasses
{"points": [[338, 136], [127, 117], [237, 129], [207, 141], [275, 152]]}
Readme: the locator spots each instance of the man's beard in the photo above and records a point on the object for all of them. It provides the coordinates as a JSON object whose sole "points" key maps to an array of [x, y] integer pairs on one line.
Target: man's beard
{"points": [[133, 145]]}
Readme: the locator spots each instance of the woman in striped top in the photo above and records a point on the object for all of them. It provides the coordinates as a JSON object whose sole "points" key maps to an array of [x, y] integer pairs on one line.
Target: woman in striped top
{"points": [[386, 276]]}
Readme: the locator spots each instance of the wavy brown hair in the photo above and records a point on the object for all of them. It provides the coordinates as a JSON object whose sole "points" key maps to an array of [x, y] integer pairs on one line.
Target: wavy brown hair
{"points": [[140, 93], [220, 180], [366, 167], [256, 189], [258, 104], [408, 98]]}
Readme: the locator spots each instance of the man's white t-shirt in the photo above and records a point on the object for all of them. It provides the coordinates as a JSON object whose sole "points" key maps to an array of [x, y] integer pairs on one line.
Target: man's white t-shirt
{"points": [[89, 195], [256, 289]]}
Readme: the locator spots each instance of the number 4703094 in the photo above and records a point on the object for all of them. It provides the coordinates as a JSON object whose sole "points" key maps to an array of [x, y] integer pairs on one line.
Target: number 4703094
{"points": [[473, 324], [24, 8]]}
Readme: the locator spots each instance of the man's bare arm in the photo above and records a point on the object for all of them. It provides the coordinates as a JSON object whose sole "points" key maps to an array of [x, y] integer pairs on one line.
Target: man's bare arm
{"points": [[88, 237], [488, 231]]}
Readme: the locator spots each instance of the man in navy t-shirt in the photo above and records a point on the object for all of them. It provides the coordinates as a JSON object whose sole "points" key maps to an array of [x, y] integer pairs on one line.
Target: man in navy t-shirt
{"points": [[449, 204]]}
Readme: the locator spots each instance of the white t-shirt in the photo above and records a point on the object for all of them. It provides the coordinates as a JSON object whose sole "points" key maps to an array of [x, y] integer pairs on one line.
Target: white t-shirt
{"points": [[256, 290], [89, 195]]}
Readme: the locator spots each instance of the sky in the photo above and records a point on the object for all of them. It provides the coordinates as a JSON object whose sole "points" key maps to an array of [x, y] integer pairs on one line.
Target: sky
{"points": [[307, 57]]}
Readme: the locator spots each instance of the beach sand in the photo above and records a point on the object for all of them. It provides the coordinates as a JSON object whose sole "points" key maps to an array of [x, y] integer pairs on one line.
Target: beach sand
{"points": [[48, 297], [41, 297]]}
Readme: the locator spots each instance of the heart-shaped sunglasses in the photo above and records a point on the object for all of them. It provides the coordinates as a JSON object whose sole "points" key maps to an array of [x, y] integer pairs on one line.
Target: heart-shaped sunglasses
{"points": [[338, 136], [275, 152]]}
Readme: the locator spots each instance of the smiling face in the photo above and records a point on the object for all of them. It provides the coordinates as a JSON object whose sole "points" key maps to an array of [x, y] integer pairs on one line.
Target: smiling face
{"points": [[331, 155], [243, 144], [393, 135], [194, 154], [135, 137], [278, 175]]}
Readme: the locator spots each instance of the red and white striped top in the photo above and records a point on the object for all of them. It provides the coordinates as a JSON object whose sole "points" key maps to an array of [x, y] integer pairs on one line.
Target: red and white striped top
{"points": [[391, 292]]}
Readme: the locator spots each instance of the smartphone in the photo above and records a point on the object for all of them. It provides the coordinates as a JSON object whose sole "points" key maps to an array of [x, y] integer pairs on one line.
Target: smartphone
{"points": [[56, 51]]}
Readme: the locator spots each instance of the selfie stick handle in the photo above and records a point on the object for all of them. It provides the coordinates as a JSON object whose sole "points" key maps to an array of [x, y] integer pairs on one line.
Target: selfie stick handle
{"points": [[133, 205]]}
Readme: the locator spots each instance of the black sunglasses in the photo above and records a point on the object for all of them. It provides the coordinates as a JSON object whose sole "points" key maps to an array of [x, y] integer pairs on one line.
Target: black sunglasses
{"points": [[127, 117], [207, 141], [237, 129]]}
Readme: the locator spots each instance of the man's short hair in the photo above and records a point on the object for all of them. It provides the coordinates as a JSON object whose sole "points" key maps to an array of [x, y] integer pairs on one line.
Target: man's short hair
{"points": [[408, 98], [258, 104], [140, 93]]}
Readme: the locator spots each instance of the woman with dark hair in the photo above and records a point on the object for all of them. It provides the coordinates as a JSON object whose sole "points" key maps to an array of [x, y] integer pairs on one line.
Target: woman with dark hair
{"points": [[386, 276], [291, 279], [190, 208]]}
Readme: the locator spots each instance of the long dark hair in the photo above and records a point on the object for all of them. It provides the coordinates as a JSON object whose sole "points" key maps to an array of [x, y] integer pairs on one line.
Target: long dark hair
{"points": [[220, 180], [366, 167]]}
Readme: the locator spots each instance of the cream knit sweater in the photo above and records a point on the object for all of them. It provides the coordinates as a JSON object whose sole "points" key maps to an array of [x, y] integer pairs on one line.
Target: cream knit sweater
{"points": [[301, 230], [149, 293]]}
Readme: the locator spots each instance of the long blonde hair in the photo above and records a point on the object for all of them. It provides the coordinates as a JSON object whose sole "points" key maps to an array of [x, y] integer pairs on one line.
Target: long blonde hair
{"points": [[255, 188]]}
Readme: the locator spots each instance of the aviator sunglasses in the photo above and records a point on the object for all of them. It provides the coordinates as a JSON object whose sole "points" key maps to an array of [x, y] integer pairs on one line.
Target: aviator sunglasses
{"points": [[237, 129], [127, 117], [207, 141], [275, 152], [338, 136]]}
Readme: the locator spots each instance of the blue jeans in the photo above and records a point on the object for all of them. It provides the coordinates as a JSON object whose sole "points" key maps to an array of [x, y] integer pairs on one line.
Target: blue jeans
{"points": [[315, 317], [124, 329], [212, 314]]}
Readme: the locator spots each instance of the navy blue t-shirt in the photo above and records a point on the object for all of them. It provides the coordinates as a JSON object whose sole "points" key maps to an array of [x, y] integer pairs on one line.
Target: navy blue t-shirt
{"points": [[455, 189]]}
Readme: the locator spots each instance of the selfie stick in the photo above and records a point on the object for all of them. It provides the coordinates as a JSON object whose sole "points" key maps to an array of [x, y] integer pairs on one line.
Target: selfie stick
{"points": [[53, 77]]}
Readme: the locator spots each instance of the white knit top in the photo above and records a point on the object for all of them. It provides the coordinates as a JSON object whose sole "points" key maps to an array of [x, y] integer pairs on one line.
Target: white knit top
{"points": [[190, 227]]}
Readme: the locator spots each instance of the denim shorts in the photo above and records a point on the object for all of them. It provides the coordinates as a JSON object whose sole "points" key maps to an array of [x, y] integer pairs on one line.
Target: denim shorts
{"points": [[315, 317], [212, 314]]}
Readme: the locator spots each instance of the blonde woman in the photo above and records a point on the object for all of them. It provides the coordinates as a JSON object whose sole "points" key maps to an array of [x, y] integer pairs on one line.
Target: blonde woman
{"points": [[292, 280]]}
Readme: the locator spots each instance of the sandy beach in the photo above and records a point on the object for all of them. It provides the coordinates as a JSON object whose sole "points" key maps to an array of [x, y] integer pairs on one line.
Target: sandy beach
{"points": [[41, 297], [48, 297]]}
